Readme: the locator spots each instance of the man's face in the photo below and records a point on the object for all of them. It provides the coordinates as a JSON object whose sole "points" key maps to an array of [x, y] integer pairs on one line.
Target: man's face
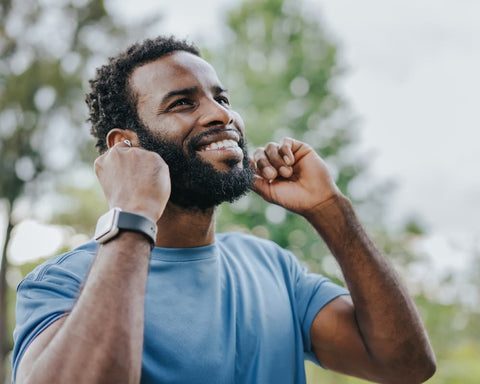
{"points": [[188, 120]]}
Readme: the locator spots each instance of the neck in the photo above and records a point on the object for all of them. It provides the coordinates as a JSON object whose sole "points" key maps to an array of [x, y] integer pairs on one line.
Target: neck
{"points": [[185, 228]]}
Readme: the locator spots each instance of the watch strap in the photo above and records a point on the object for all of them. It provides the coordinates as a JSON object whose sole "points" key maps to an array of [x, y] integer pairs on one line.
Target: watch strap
{"points": [[132, 222], [116, 220]]}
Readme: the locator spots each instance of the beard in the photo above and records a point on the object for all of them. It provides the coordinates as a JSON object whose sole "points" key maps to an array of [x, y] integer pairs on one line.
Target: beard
{"points": [[196, 184]]}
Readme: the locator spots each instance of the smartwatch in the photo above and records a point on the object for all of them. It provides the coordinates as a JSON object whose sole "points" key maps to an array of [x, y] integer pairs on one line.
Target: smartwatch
{"points": [[115, 220]]}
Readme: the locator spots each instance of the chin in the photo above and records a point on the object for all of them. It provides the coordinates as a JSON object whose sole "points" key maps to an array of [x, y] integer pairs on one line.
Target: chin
{"points": [[233, 163]]}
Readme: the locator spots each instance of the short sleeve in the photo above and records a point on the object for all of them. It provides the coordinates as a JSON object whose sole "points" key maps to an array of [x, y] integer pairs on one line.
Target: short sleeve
{"points": [[45, 295], [312, 292]]}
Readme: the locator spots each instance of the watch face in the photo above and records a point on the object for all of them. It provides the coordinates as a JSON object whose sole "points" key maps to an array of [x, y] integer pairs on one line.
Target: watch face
{"points": [[107, 226]]}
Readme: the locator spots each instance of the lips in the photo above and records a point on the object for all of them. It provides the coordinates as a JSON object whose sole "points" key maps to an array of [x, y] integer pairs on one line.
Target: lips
{"points": [[224, 144], [219, 139]]}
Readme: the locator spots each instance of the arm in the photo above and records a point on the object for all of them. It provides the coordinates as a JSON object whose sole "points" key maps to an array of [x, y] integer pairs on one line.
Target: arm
{"points": [[101, 340], [377, 334]]}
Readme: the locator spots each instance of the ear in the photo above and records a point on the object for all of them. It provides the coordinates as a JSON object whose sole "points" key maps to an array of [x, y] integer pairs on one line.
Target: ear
{"points": [[117, 135]]}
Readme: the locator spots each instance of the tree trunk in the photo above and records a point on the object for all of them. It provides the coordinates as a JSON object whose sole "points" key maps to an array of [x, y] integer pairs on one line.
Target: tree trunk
{"points": [[3, 300]]}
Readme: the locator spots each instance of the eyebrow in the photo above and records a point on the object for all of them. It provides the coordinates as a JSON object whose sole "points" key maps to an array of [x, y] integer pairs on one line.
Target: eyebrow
{"points": [[191, 90], [177, 92], [216, 89]]}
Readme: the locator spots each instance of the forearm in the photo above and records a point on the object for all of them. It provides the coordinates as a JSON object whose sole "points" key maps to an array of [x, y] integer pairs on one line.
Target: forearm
{"points": [[387, 319], [101, 340]]}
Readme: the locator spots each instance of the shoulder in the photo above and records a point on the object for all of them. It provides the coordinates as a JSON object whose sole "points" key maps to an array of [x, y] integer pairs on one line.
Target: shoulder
{"points": [[48, 293], [73, 264]]}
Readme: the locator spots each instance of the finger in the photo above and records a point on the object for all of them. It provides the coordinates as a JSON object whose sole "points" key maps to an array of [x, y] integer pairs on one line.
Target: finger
{"points": [[263, 166], [97, 165], [276, 158], [253, 164], [286, 150], [113, 151], [99, 162], [125, 144]]}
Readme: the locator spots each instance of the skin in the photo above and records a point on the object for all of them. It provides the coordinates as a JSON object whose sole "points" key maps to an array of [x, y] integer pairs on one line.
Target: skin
{"points": [[375, 334]]}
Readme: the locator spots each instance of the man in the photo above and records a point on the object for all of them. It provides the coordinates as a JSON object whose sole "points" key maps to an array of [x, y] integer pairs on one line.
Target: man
{"points": [[201, 307]]}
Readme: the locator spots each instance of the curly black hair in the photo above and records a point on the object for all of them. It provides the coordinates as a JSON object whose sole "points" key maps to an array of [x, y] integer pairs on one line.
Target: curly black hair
{"points": [[111, 102]]}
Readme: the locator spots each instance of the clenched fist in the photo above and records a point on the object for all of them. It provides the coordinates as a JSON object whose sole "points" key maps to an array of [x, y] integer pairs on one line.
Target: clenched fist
{"points": [[292, 175], [134, 180]]}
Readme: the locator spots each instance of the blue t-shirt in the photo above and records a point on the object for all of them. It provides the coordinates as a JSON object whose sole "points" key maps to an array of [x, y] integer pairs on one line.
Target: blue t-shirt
{"points": [[237, 311]]}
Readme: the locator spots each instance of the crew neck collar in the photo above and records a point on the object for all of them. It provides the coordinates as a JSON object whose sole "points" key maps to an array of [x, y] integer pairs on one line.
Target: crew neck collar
{"points": [[185, 254]]}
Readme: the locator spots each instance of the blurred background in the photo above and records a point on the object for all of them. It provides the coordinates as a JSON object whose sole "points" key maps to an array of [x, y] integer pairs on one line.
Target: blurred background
{"points": [[386, 92]]}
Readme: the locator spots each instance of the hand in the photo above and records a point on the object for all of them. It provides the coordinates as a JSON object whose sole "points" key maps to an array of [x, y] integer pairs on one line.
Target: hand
{"points": [[292, 175], [134, 180]]}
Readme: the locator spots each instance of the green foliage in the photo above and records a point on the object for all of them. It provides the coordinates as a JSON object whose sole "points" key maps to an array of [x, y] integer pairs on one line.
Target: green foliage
{"points": [[323, 376], [42, 85], [85, 206], [455, 335]]}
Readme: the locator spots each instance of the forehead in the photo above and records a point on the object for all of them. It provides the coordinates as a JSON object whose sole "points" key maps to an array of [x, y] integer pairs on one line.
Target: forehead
{"points": [[175, 71]]}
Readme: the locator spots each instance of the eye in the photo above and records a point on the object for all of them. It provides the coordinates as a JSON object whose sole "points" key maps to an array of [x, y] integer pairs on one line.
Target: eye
{"points": [[180, 103], [223, 100]]}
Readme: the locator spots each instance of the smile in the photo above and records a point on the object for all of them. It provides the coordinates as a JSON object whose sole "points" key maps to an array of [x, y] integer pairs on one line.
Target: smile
{"points": [[222, 144]]}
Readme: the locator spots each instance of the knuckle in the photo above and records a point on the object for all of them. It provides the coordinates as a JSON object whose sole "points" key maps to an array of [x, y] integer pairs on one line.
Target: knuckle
{"points": [[274, 154], [162, 165], [262, 163], [98, 163], [271, 146], [259, 153], [286, 143]]}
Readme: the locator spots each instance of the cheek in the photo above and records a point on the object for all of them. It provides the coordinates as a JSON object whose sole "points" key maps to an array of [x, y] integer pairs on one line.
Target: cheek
{"points": [[239, 122], [173, 128], [148, 117], [176, 128]]}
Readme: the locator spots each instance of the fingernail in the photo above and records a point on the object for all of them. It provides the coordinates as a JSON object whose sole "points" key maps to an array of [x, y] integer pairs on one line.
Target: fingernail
{"points": [[286, 159], [284, 171], [269, 172]]}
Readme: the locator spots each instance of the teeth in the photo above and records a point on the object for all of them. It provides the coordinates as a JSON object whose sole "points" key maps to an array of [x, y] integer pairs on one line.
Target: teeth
{"points": [[221, 144]]}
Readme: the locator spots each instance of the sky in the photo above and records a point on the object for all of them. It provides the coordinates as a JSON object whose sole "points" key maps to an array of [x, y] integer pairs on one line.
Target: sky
{"points": [[413, 80]]}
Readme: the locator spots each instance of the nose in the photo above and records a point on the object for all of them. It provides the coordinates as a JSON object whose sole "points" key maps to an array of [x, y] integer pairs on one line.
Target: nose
{"points": [[213, 113]]}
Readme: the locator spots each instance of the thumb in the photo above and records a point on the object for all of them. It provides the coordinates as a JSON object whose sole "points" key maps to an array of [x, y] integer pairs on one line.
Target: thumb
{"points": [[262, 187]]}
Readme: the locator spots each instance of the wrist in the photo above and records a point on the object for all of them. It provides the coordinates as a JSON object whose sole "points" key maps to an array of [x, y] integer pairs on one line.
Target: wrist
{"points": [[333, 218], [116, 220], [128, 241], [329, 209], [137, 209]]}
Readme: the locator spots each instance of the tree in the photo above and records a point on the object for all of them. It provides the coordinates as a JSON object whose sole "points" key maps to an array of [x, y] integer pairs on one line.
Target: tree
{"points": [[48, 50]]}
